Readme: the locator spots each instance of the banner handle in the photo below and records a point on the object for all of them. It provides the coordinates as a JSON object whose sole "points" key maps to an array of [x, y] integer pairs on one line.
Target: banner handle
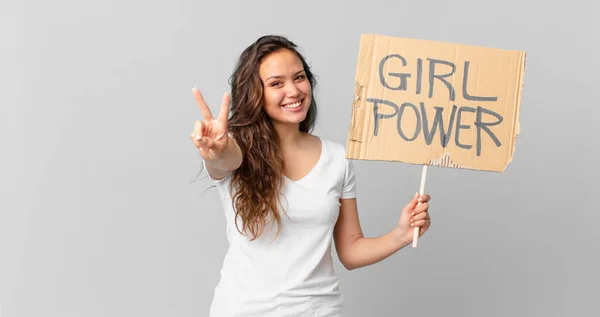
{"points": [[421, 192]]}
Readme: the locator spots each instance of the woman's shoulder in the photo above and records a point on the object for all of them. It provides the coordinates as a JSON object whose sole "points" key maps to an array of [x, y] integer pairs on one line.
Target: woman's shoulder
{"points": [[334, 148]]}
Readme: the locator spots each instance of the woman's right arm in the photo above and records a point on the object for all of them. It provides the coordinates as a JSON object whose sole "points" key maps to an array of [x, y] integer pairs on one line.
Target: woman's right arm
{"points": [[231, 160], [220, 153]]}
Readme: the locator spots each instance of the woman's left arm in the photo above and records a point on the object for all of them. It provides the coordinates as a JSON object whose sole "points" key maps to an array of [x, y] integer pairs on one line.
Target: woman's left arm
{"points": [[355, 251]]}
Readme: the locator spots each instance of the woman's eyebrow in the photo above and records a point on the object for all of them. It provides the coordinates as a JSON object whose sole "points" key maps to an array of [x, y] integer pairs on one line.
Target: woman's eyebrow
{"points": [[281, 76]]}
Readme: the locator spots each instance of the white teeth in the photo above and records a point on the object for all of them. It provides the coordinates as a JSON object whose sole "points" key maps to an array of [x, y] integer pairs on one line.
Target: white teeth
{"points": [[293, 105]]}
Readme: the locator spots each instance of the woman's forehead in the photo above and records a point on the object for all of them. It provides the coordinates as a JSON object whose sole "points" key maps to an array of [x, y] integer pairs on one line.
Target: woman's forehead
{"points": [[280, 63]]}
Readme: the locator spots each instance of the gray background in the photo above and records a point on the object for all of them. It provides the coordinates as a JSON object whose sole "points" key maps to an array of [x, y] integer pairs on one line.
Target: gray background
{"points": [[99, 218]]}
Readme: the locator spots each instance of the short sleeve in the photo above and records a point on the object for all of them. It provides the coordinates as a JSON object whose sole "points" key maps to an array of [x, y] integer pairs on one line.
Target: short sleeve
{"points": [[349, 186]]}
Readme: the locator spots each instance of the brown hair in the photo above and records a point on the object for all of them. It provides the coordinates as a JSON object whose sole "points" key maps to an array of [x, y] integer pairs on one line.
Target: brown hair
{"points": [[257, 184]]}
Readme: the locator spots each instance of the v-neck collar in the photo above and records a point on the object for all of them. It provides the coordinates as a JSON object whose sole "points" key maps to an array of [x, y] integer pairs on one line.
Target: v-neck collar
{"points": [[312, 170]]}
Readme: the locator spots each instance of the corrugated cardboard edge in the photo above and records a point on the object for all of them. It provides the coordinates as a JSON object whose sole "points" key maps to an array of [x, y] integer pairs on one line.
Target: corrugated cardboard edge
{"points": [[357, 126], [356, 130], [516, 130], [443, 161], [517, 123]]}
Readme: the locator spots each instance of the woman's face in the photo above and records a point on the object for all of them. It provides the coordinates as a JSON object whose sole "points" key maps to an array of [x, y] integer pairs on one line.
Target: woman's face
{"points": [[287, 91]]}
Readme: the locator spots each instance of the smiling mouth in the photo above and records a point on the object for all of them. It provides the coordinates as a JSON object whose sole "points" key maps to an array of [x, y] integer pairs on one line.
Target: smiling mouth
{"points": [[293, 105]]}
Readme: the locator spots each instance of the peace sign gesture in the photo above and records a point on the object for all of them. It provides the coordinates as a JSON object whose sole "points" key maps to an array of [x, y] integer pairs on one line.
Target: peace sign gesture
{"points": [[210, 136]]}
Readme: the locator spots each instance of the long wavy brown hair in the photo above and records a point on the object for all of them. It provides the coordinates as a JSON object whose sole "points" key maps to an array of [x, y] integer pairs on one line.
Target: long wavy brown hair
{"points": [[256, 186]]}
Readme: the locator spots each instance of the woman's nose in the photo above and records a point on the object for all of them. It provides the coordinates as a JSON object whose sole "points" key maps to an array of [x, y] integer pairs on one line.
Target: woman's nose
{"points": [[293, 91]]}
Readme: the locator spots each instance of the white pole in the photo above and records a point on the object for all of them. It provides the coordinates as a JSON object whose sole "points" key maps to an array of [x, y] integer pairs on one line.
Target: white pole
{"points": [[421, 192]]}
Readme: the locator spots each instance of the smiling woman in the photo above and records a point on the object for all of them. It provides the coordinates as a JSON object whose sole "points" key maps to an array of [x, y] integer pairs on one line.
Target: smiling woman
{"points": [[285, 192]]}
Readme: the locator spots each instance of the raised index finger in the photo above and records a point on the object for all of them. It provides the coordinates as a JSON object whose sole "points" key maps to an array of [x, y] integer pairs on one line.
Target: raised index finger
{"points": [[201, 104]]}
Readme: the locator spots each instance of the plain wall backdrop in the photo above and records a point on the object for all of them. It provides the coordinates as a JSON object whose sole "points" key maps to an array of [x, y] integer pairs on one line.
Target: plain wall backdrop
{"points": [[98, 215]]}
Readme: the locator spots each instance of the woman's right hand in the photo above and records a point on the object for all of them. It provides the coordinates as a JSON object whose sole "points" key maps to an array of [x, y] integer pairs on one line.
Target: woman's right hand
{"points": [[211, 136]]}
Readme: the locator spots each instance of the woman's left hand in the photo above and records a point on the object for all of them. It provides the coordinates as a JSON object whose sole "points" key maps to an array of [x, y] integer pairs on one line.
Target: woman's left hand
{"points": [[414, 215]]}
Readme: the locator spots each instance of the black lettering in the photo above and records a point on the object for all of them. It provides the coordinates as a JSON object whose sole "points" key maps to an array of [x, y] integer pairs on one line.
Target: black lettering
{"points": [[399, 124], [437, 120], [484, 126], [419, 75], [464, 88], [402, 76], [441, 77], [462, 126], [378, 116]]}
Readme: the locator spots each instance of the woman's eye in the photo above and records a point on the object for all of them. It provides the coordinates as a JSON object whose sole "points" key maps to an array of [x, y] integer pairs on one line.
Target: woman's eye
{"points": [[275, 83], [300, 77]]}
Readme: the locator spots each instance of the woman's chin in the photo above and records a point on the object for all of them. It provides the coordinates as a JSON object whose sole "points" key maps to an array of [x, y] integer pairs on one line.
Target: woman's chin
{"points": [[291, 118]]}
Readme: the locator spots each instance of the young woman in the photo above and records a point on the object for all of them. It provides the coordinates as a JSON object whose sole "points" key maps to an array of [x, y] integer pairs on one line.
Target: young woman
{"points": [[285, 192]]}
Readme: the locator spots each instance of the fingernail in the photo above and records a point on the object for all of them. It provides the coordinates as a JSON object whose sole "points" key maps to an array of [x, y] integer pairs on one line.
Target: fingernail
{"points": [[411, 220], [413, 213], [197, 136], [412, 224], [420, 199]]}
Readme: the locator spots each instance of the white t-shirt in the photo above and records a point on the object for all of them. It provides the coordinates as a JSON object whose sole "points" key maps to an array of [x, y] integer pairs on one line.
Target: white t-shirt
{"points": [[291, 275]]}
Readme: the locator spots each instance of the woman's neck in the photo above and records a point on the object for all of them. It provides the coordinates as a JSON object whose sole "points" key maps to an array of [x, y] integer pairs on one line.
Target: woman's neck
{"points": [[289, 135]]}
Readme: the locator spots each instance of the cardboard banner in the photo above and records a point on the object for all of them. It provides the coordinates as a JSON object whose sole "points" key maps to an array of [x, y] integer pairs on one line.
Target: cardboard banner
{"points": [[435, 103]]}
